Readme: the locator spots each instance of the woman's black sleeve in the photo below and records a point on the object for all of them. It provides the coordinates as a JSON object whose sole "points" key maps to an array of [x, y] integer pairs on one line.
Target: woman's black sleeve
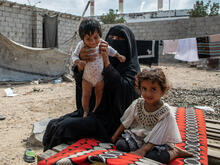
{"points": [[111, 75], [78, 80], [122, 85]]}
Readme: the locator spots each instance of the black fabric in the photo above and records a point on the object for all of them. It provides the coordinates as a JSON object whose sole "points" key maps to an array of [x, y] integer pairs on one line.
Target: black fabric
{"points": [[131, 64], [126, 143], [119, 92], [143, 46], [50, 28], [119, 43], [122, 145], [159, 153], [115, 32]]}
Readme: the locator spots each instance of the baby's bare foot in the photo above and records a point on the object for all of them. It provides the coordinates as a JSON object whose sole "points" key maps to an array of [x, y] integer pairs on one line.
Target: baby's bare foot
{"points": [[94, 110], [85, 114]]}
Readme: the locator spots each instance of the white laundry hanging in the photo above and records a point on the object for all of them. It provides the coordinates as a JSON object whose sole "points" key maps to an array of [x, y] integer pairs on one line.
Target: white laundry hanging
{"points": [[187, 50], [170, 46]]}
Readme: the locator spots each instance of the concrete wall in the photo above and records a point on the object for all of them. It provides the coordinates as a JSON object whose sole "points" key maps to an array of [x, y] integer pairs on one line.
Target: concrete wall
{"points": [[16, 22], [67, 26], [175, 29], [23, 24]]}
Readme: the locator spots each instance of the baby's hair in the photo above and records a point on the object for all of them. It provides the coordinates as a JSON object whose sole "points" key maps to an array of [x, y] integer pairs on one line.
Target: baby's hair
{"points": [[154, 75], [88, 27]]}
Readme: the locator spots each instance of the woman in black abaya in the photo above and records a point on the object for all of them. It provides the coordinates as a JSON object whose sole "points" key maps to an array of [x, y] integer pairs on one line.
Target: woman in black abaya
{"points": [[119, 92]]}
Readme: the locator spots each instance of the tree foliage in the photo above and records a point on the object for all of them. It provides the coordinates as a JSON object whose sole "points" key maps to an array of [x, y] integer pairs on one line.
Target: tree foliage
{"points": [[200, 9], [214, 9], [112, 18]]}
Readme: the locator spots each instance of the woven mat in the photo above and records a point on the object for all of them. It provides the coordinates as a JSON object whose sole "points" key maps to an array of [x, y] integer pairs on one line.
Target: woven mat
{"points": [[191, 123]]}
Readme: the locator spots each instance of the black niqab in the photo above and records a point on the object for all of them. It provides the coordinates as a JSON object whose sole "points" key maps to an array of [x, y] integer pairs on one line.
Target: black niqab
{"points": [[131, 58]]}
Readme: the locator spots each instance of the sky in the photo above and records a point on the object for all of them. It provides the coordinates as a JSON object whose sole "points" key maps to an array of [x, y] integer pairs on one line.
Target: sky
{"points": [[76, 7]]}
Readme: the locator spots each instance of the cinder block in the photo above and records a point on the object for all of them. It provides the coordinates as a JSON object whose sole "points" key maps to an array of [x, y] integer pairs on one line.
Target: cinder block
{"points": [[6, 14], [8, 9]]}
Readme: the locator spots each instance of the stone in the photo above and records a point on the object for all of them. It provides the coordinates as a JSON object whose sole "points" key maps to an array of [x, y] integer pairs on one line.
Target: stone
{"points": [[2, 117], [38, 130]]}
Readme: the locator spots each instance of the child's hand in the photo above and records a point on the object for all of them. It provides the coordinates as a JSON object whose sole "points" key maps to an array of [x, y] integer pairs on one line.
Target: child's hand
{"points": [[81, 64], [120, 57], [103, 48], [113, 139]]}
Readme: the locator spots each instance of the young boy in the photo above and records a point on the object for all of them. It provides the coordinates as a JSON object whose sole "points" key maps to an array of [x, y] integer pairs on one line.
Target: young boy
{"points": [[90, 34]]}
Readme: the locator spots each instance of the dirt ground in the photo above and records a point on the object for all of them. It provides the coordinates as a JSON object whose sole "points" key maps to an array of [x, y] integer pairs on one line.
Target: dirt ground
{"points": [[39, 101]]}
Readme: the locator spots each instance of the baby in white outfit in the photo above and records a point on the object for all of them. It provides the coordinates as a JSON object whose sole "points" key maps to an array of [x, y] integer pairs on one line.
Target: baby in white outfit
{"points": [[90, 33], [93, 70]]}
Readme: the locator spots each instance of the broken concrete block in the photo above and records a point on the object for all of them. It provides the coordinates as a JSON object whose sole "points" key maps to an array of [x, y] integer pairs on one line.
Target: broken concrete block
{"points": [[37, 134]]}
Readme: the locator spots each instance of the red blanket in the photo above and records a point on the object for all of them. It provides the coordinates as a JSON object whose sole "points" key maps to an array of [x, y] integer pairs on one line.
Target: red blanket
{"points": [[192, 127]]}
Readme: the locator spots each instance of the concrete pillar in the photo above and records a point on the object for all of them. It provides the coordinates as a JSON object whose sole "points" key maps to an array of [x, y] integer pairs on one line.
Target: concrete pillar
{"points": [[160, 5], [34, 28], [120, 6], [92, 8], [37, 29]]}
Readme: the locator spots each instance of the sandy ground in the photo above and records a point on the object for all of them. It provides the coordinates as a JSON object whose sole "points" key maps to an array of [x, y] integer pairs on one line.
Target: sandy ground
{"points": [[40, 101]]}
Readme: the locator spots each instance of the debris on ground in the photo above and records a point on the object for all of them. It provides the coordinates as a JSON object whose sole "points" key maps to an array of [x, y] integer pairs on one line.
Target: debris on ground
{"points": [[9, 92], [2, 117]]}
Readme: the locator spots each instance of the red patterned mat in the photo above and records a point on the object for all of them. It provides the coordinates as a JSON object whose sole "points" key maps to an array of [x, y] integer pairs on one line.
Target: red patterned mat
{"points": [[192, 127], [85, 151]]}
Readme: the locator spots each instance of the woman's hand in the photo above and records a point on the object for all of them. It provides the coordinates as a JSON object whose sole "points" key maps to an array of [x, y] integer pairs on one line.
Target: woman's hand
{"points": [[85, 54], [139, 152], [81, 64], [103, 50]]}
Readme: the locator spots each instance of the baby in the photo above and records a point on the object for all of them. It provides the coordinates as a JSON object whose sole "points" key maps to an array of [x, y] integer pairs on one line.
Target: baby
{"points": [[90, 34]]}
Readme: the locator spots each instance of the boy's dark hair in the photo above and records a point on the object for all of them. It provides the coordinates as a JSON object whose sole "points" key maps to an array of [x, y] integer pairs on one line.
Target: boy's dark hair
{"points": [[89, 26], [155, 75]]}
